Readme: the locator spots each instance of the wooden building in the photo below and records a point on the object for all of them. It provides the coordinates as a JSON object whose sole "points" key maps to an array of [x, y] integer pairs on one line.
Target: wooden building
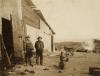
{"points": [[19, 18]]}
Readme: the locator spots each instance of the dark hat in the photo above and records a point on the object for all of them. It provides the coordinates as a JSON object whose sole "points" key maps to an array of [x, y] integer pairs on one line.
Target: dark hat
{"points": [[39, 37], [27, 36]]}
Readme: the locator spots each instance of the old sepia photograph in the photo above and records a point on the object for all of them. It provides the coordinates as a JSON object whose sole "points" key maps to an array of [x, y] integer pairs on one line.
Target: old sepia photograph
{"points": [[49, 37]]}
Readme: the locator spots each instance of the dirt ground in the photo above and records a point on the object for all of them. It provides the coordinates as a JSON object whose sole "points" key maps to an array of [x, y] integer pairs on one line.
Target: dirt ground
{"points": [[78, 65]]}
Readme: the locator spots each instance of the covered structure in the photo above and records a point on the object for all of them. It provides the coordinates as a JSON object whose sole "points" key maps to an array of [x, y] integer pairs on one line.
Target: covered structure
{"points": [[20, 18]]}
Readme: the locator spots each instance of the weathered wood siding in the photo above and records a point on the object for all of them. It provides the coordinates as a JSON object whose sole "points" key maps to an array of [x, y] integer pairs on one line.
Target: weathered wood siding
{"points": [[10, 11], [46, 33], [35, 26], [33, 33], [22, 16], [29, 15]]}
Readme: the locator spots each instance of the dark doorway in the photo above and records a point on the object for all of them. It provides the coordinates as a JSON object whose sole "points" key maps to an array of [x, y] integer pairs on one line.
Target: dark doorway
{"points": [[8, 36]]}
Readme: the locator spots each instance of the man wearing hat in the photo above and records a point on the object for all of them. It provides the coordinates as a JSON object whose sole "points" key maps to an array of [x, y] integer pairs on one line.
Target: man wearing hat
{"points": [[29, 48], [39, 45]]}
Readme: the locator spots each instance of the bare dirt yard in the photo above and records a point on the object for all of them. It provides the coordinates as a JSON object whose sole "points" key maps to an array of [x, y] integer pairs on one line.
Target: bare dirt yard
{"points": [[78, 65]]}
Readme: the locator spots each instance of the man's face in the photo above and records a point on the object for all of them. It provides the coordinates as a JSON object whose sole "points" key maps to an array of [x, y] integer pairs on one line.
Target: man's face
{"points": [[39, 39]]}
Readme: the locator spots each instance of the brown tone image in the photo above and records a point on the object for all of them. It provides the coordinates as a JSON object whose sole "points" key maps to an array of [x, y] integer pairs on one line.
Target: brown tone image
{"points": [[49, 38]]}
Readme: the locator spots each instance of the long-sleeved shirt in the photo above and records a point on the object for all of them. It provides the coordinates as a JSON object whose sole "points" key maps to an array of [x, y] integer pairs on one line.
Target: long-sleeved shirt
{"points": [[39, 45]]}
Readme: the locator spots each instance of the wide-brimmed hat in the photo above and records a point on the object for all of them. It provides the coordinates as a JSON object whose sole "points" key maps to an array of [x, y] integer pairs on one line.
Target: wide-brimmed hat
{"points": [[39, 37]]}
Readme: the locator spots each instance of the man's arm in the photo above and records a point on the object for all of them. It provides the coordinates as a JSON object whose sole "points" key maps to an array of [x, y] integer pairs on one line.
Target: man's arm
{"points": [[43, 44], [36, 44]]}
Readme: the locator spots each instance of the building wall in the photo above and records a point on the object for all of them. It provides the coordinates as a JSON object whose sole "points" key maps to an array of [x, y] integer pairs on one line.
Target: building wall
{"points": [[35, 26], [25, 21], [10, 12], [33, 33], [46, 34], [29, 15], [30, 21]]}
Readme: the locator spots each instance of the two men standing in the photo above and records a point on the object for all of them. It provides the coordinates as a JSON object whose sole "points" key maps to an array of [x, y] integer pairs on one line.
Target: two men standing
{"points": [[39, 46]]}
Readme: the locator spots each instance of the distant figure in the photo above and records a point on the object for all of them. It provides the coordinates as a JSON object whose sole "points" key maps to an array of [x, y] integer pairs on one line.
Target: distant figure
{"points": [[61, 64], [66, 54], [39, 45], [29, 49]]}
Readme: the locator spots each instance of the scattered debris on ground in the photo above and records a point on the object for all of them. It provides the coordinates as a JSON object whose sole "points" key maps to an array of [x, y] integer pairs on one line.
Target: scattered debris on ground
{"points": [[77, 66], [60, 71], [46, 69]]}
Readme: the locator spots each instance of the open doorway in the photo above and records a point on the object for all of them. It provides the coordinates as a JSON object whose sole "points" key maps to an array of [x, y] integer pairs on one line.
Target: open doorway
{"points": [[8, 36]]}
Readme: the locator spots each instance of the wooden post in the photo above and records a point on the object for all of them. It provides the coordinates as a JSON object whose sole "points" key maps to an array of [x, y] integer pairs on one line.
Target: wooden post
{"points": [[5, 58]]}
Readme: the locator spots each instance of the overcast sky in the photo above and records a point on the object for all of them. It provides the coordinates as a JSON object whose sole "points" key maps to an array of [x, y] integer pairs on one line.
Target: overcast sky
{"points": [[72, 19]]}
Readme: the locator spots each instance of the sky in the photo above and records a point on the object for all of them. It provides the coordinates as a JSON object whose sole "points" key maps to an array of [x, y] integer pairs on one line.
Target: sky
{"points": [[72, 20]]}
